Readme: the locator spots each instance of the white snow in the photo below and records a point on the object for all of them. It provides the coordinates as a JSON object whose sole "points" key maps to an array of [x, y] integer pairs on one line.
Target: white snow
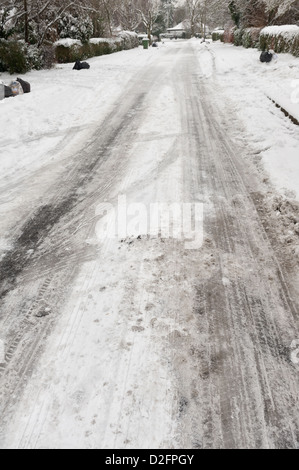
{"points": [[287, 31], [68, 42], [100, 40]]}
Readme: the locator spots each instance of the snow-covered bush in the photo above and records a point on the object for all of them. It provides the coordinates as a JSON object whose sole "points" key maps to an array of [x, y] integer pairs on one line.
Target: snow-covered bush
{"points": [[19, 57], [281, 39], [102, 46], [70, 50]]}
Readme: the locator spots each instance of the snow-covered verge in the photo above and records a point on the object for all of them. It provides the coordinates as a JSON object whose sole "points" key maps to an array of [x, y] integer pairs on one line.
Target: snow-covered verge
{"points": [[250, 87]]}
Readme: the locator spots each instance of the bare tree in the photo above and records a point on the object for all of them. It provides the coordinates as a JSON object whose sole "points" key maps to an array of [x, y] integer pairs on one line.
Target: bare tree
{"points": [[149, 11], [193, 8], [128, 15], [204, 12]]}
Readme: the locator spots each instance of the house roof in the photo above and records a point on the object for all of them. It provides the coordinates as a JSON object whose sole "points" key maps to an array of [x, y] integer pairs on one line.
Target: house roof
{"points": [[181, 26]]}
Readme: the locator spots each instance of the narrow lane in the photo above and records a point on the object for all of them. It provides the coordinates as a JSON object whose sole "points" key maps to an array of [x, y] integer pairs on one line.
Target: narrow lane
{"points": [[139, 342]]}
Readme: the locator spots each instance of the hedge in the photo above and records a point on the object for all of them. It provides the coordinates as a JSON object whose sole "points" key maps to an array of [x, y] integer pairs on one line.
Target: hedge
{"points": [[280, 39], [70, 50], [18, 57]]}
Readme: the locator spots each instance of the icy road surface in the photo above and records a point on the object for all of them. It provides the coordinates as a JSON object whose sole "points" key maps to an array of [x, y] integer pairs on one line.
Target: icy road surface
{"points": [[139, 342]]}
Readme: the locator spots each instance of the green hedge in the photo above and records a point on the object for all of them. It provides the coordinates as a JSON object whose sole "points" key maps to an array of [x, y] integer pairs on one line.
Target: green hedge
{"points": [[18, 57], [95, 47], [67, 54], [280, 39], [248, 37]]}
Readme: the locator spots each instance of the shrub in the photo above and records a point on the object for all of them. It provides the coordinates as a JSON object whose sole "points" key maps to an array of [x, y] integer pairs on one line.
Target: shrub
{"points": [[18, 57], [13, 57], [69, 50]]}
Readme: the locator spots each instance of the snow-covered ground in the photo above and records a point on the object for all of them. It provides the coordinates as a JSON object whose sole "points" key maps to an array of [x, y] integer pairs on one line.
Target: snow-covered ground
{"points": [[138, 342]]}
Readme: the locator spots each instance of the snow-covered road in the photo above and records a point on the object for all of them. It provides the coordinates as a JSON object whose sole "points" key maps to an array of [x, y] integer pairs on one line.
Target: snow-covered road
{"points": [[138, 341]]}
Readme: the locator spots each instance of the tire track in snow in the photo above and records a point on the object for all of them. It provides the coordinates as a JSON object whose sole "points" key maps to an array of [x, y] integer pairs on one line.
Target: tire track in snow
{"points": [[251, 384]]}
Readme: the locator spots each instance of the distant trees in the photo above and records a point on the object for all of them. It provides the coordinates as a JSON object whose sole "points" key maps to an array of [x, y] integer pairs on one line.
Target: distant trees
{"points": [[149, 11], [43, 21], [206, 12], [281, 11], [128, 15], [193, 8], [244, 13], [38, 21], [257, 13]]}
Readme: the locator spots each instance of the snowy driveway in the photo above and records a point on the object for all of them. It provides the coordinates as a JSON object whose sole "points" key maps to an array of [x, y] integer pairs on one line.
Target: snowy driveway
{"points": [[140, 342]]}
